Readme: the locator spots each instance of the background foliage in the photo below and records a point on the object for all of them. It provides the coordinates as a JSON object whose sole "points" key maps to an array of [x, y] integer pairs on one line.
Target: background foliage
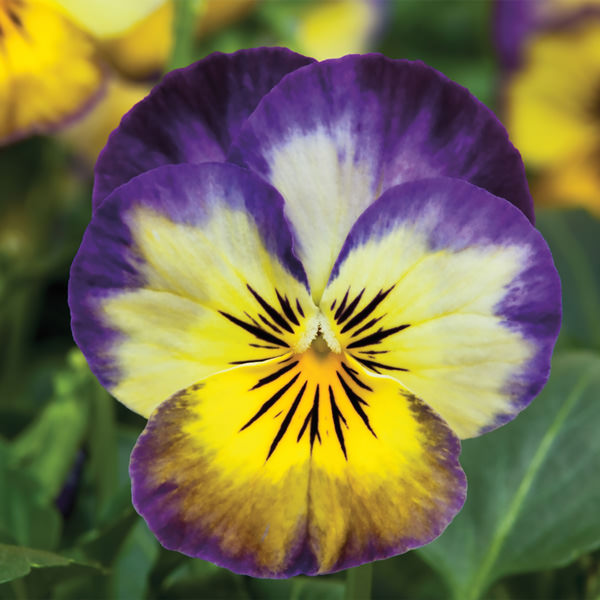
{"points": [[531, 524]]}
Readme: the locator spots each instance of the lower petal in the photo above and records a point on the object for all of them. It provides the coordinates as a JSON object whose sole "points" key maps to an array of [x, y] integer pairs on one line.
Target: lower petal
{"points": [[301, 465]]}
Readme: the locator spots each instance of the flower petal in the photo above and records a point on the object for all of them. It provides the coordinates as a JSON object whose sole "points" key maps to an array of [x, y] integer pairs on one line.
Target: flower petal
{"points": [[48, 69], [191, 116], [451, 291], [183, 272], [296, 466], [333, 136]]}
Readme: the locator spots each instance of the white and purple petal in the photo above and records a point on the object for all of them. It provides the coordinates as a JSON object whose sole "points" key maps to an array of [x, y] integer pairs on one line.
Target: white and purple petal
{"points": [[192, 115]]}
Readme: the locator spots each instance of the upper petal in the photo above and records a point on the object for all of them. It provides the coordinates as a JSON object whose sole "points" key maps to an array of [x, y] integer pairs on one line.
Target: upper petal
{"points": [[183, 272], [454, 293], [333, 136], [192, 115]]}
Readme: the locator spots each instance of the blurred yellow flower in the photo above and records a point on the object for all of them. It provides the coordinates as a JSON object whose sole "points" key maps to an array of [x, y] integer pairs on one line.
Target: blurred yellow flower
{"points": [[553, 113], [48, 68], [335, 28]]}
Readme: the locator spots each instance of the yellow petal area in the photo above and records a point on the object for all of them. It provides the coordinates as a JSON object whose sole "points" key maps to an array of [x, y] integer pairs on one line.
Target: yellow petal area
{"points": [[553, 103], [48, 68], [305, 464], [104, 18], [213, 297], [143, 50], [428, 319], [88, 134], [336, 28]]}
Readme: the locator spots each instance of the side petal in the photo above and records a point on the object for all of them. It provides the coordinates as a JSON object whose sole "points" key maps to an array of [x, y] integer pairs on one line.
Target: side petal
{"points": [[186, 271], [333, 136], [191, 116], [312, 470], [453, 292], [49, 72]]}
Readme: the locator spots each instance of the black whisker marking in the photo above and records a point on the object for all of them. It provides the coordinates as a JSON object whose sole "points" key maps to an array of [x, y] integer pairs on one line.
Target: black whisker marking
{"points": [[274, 314], [342, 305], [370, 352], [287, 309], [313, 418], [299, 307], [252, 319], [267, 405], [286, 421], [378, 336], [267, 322], [350, 308], [337, 415], [274, 376], [356, 402], [352, 373], [333, 304], [257, 332], [375, 366], [264, 346], [367, 326], [367, 310], [253, 360]]}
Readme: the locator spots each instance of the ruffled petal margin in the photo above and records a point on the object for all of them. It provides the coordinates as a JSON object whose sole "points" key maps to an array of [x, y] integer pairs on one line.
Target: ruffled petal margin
{"points": [[452, 292], [301, 465], [183, 272], [333, 136], [192, 115]]}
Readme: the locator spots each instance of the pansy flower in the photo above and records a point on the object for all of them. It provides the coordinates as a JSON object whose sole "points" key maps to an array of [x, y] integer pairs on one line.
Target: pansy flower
{"points": [[552, 103], [313, 278]]}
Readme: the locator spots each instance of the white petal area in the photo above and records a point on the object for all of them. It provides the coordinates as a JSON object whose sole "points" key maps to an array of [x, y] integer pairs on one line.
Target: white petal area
{"points": [[326, 189]]}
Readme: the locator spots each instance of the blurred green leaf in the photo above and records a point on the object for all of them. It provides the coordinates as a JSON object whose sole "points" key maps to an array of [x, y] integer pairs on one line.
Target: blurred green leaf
{"points": [[138, 554], [17, 561], [573, 237], [534, 490], [24, 518]]}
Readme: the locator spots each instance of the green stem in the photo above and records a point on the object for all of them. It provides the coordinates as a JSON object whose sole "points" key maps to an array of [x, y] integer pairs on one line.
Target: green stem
{"points": [[358, 582], [184, 23]]}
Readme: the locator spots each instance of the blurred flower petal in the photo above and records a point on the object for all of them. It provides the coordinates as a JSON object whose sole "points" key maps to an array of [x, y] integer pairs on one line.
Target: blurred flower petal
{"points": [[48, 68]]}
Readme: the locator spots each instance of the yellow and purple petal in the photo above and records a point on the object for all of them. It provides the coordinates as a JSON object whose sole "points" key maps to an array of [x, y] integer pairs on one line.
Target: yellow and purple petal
{"points": [[184, 272], [192, 115], [49, 71], [333, 136], [451, 291], [302, 465]]}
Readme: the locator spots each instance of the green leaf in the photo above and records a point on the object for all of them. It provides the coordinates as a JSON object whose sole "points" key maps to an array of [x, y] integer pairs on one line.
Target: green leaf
{"points": [[573, 238], [534, 490], [24, 518], [137, 556], [17, 561], [48, 447]]}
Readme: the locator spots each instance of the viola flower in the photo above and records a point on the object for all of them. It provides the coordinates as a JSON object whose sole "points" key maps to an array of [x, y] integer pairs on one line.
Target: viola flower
{"points": [[554, 120], [49, 70], [313, 279]]}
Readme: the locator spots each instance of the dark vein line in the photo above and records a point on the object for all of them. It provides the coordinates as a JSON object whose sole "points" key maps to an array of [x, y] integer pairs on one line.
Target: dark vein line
{"points": [[378, 336], [342, 305], [375, 366], [367, 326], [351, 307], [286, 421], [352, 373], [367, 310], [337, 415], [333, 304], [287, 309], [299, 307], [274, 376], [275, 315], [267, 322], [258, 332], [264, 346], [267, 405], [356, 402], [253, 360]]}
